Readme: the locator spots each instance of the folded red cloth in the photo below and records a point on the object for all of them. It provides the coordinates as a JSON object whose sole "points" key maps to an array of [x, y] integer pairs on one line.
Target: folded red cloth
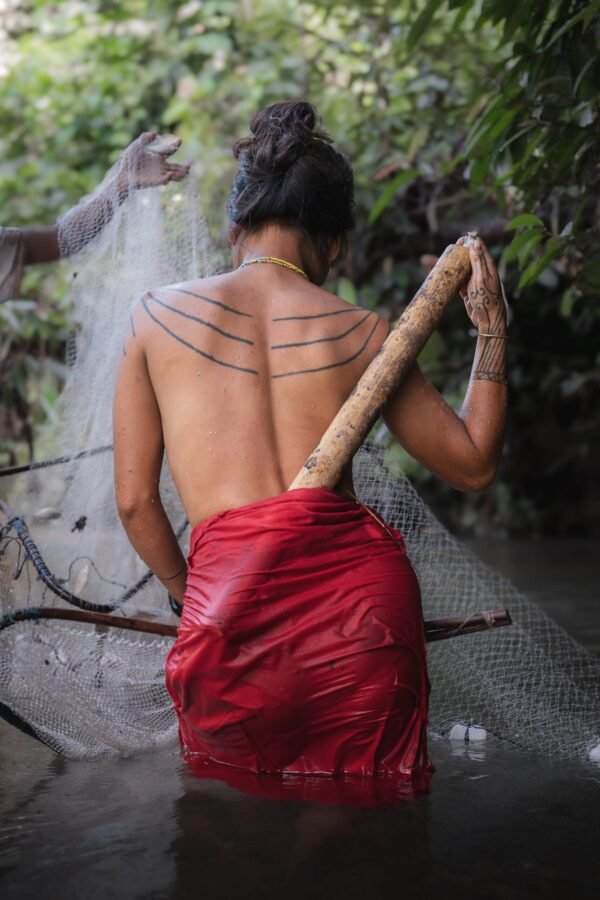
{"points": [[302, 647]]}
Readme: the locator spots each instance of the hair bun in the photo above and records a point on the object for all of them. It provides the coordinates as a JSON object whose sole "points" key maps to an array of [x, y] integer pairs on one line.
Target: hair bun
{"points": [[289, 172], [280, 134], [290, 116]]}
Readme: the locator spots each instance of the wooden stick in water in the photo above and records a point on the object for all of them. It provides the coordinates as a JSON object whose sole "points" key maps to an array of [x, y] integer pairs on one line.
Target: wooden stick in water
{"points": [[383, 376]]}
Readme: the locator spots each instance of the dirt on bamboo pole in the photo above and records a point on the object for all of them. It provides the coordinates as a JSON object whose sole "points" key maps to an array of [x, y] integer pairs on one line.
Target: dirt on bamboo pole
{"points": [[384, 374]]}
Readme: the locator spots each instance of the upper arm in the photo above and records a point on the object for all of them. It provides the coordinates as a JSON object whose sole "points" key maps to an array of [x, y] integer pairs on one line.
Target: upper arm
{"points": [[432, 432], [41, 244], [137, 427]]}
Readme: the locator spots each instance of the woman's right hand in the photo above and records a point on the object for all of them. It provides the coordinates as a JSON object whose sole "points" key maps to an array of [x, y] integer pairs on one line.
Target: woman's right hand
{"points": [[483, 295]]}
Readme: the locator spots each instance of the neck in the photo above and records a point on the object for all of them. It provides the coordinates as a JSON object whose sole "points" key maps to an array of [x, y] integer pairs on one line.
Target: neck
{"points": [[272, 240], [284, 242]]}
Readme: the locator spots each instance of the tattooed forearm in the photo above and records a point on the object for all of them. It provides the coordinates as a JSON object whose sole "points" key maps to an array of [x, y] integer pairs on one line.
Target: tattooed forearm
{"points": [[490, 376], [490, 360]]}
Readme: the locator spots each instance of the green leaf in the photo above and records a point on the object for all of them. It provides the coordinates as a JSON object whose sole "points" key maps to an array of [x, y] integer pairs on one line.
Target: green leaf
{"points": [[461, 15], [491, 127], [417, 141], [583, 73], [566, 26], [525, 220], [592, 10], [590, 274], [567, 302], [483, 123], [389, 192], [346, 290], [520, 244], [479, 169], [535, 269], [433, 351], [534, 237], [422, 22]]}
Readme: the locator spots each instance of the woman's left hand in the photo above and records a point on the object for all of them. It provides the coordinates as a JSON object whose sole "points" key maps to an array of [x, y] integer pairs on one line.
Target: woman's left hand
{"points": [[483, 295]]}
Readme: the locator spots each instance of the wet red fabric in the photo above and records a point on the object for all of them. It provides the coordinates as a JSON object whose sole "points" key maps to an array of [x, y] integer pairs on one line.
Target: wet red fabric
{"points": [[301, 647]]}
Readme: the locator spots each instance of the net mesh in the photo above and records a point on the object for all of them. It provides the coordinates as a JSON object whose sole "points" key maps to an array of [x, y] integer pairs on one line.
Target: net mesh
{"points": [[88, 689]]}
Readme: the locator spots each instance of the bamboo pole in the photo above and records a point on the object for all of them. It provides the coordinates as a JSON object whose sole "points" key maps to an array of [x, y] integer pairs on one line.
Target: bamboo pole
{"points": [[384, 374]]}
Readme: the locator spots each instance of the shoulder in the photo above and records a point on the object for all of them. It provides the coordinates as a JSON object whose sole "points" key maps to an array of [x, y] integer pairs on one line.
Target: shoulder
{"points": [[335, 308], [357, 331], [196, 285]]}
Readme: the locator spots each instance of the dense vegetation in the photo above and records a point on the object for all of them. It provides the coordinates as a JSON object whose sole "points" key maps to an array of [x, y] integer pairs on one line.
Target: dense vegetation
{"points": [[456, 114]]}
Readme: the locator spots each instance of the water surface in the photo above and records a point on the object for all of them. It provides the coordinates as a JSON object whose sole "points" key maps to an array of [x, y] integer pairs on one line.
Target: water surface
{"points": [[497, 824]]}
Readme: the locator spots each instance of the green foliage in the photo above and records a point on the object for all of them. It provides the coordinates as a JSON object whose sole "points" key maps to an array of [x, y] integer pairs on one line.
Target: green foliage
{"points": [[30, 371], [457, 114]]}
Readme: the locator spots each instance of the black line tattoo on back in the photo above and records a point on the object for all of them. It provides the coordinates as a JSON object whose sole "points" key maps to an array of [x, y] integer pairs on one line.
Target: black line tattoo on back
{"points": [[180, 312], [224, 306], [132, 325], [337, 312], [197, 350], [335, 365], [325, 340]]}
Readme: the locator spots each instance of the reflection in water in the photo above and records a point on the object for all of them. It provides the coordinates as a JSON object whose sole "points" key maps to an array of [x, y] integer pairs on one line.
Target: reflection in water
{"points": [[83, 821], [149, 829], [231, 843], [388, 790], [476, 752]]}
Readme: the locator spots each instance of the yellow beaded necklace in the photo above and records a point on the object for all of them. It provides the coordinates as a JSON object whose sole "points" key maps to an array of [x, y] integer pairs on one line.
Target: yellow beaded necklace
{"points": [[277, 261]]}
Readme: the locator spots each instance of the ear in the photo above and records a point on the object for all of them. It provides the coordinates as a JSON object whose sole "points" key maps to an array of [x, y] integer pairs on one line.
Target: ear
{"points": [[235, 239], [233, 235], [333, 248]]}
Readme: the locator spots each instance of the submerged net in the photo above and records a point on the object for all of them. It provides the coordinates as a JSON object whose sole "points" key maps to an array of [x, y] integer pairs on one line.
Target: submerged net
{"points": [[88, 689]]}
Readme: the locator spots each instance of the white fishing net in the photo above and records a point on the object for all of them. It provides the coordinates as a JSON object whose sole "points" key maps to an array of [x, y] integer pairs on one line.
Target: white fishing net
{"points": [[88, 689]]}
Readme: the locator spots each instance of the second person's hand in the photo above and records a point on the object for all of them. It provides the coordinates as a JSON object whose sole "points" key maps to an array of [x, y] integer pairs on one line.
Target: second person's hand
{"points": [[144, 166]]}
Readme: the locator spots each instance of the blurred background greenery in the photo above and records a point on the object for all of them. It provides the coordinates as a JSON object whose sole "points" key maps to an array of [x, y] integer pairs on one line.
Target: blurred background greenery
{"points": [[456, 114]]}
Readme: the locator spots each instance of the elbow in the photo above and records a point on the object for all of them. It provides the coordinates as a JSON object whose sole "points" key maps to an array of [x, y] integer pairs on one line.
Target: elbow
{"points": [[480, 483], [479, 479], [132, 506]]}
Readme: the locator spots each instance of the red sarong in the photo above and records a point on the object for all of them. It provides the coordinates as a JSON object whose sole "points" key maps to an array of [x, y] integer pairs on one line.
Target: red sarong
{"points": [[302, 646]]}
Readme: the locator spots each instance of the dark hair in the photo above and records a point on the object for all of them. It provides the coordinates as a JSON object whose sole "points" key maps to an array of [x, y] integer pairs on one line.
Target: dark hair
{"points": [[289, 172]]}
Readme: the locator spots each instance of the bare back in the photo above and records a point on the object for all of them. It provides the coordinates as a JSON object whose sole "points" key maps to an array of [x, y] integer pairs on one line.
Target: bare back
{"points": [[248, 370]]}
